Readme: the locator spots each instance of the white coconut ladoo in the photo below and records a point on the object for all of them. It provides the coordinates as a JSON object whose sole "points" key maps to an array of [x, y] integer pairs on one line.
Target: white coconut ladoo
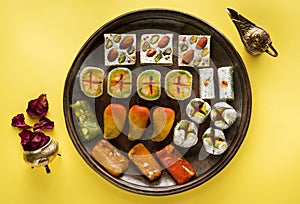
{"points": [[223, 115], [198, 110], [214, 141], [185, 134]]}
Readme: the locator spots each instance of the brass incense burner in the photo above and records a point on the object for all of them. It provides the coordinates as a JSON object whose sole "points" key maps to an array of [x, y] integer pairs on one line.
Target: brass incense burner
{"points": [[43, 156]]}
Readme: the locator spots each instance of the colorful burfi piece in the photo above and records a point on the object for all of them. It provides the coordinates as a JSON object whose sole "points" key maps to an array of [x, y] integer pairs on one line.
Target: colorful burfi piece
{"points": [[206, 80], [225, 79], [180, 169], [223, 115], [88, 127], [119, 82], [178, 84], [198, 110], [110, 158], [194, 50], [214, 141], [156, 49], [185, 134], [148, 85], [119, 49], [91, 81]]}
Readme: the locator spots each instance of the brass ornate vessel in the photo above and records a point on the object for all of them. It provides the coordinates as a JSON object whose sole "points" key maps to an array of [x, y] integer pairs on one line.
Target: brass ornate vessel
{"points": [[43, 156], [255, 39]]}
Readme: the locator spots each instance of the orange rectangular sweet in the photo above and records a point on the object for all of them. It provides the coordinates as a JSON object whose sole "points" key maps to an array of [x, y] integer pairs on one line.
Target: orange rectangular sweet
{"points": [[110, 158], [177, 166], [145, 161]]}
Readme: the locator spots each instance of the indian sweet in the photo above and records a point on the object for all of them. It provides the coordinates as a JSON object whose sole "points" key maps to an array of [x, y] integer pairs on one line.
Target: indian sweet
{"points": [[110, 158], [119, 49], [88, 127], [178, 84], [156, 49], [149, 85], [223, 115], [114, 118], [91, 81], [138, 117], [198, 110], [206, 83], [194, 50], [119, 82], [226, 85], [145, 162], [176, 165], [163, 119], [214, 141], [185, 134]]}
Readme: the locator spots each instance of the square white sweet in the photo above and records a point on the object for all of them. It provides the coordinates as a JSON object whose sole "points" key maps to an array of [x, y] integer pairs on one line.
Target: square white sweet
{"points": [[156, 49], [194, 50], [119, 49]]}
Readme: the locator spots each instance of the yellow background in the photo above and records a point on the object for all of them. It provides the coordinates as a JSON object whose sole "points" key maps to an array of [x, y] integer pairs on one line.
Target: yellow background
{"points": [[38, 43]]}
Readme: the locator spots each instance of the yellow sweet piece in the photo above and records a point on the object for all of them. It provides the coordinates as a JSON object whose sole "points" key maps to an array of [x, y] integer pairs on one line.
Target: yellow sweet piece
{"points": [[114, 118], [163, 119]]}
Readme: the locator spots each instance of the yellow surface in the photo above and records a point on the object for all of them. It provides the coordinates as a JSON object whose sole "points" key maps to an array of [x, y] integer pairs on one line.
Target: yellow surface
{"points": [[38, 43]]}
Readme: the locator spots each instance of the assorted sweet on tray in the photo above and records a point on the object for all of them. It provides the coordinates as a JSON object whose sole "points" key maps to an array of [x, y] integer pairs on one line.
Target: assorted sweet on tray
{"points": [[180, 169], [149, 85], [178, 84], [119, 49], [194, 50], [145, 162], [119, 82], [214, 141], [185, 134], [198, 110], [91, 81], [225, 77], [156, 49], [114, 118], [138, 117], [88, 127], [163, 119], [110, 158], [211, 107], [206, 83]]}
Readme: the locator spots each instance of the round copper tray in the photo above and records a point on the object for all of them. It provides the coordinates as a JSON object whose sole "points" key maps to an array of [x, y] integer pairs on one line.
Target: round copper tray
{"points": [[222, 54]]}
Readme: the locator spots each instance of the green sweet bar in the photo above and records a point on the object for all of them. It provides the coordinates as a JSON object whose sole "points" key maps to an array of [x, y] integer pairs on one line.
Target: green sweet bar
{"points": [[87, 121]]}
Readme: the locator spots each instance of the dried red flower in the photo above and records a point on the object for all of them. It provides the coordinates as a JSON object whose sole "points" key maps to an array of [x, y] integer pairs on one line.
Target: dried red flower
{"points": [[19, 121], [38, 107], [44, 123], [33, 140], [25, 136]]}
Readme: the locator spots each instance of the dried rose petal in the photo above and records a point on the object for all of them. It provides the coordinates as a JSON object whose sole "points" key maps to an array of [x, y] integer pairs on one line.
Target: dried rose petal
{"points": [[38, 107], [25, 136], [19, 121], [44, 123], [38, 139]]}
